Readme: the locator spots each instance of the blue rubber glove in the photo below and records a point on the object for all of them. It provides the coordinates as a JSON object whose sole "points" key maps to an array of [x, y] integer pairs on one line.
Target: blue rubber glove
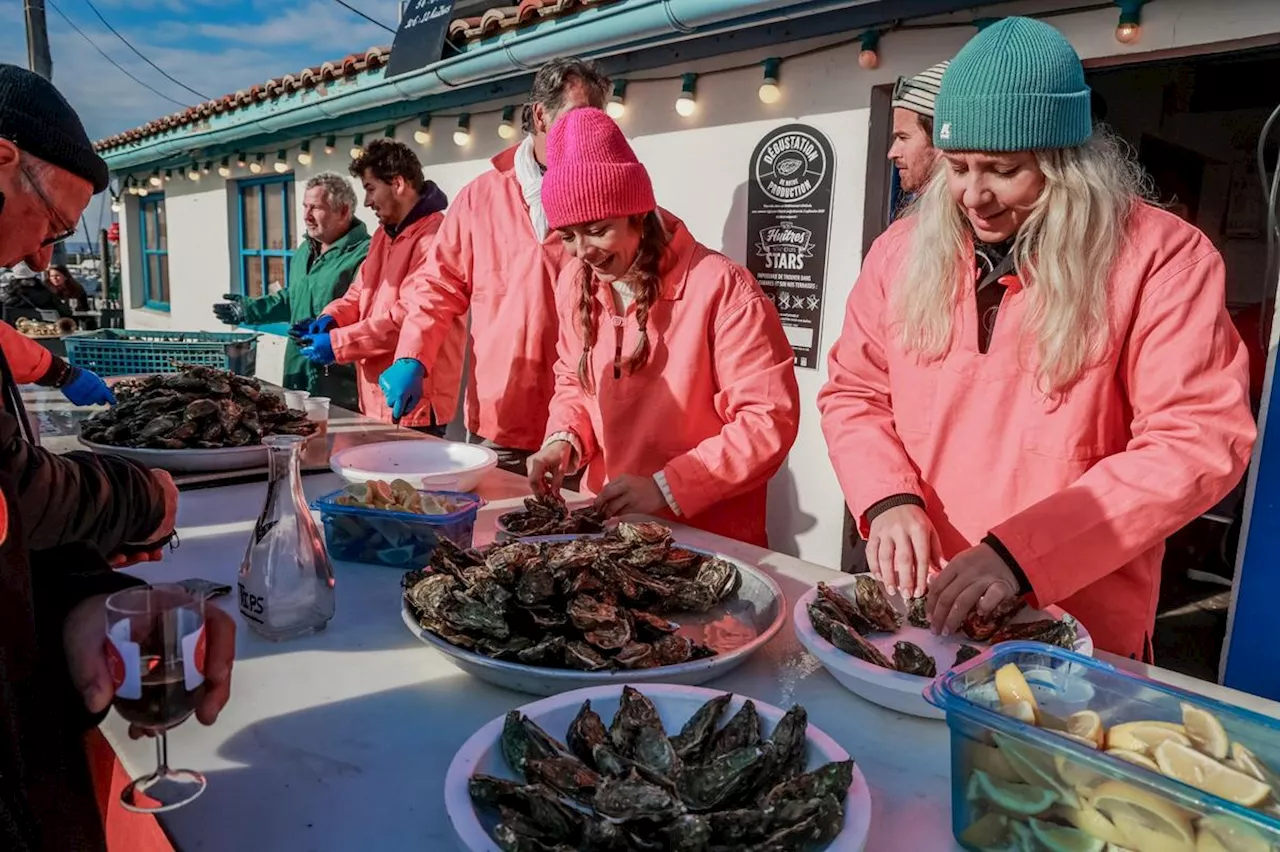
{"points": [[87, 388], [321, 324], [317, 348], [401, 383], [301, 327]]}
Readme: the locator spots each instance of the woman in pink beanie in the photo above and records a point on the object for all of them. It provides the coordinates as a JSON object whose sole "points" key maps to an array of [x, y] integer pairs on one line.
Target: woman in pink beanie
{"points": [[674, 385]]}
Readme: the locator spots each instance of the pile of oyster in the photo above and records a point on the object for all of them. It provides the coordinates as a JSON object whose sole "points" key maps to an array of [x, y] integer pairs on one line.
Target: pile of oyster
{"points": [[589, 603], [630, 786], [197, 408], [846, 622], [550, 516]]}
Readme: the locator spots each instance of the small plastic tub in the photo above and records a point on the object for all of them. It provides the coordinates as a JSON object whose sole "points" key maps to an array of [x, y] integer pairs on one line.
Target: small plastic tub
{"points": [[1016, 785], [394, 539]]}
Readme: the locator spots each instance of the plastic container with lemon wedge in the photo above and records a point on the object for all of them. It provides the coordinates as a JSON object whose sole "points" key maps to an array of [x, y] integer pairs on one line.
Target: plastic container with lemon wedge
{"points": [[1051, 750]]}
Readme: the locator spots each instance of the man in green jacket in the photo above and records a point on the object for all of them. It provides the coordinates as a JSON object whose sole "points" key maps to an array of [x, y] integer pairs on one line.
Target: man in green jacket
{"points": [[322, 269]]}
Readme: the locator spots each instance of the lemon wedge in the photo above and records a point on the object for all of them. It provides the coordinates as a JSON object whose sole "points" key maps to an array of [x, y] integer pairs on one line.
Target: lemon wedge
{"points": [[1135, 757], [1203, 772], [1012, 687], [1076, 774], [1059, 838], [1205, 731], [1009, 796], [1144, 736], [1087, 725], [1036, 767], [1219, 833], [1089, 820], [1247, 762], [1144, 820], [1023, 711], [991, 761], [985, 832]]}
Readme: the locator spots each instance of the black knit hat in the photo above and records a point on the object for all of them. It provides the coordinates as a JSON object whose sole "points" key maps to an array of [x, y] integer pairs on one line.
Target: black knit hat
{"points": [[36, 118]]}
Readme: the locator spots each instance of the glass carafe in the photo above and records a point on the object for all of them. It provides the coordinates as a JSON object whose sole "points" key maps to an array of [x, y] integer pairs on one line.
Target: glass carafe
{"points": [[286, 579]]}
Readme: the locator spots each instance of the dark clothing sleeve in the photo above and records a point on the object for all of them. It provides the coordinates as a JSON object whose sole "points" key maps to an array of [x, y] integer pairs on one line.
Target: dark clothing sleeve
{"points": [[879, 508], [101, 499], [1024, 585]]}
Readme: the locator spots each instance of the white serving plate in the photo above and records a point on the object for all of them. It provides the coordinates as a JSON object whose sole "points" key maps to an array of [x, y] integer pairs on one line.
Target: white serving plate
{"points": [[890, 689], [426, 465], [483, 754], [189, 461], [758, 601]]}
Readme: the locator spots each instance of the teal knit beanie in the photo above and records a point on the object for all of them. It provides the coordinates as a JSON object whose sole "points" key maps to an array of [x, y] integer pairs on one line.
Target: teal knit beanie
{"points": [[1016, 86]]}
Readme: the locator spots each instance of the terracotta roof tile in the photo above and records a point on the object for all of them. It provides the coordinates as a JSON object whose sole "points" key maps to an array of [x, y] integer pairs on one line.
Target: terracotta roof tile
{"points": [[495, 21]]}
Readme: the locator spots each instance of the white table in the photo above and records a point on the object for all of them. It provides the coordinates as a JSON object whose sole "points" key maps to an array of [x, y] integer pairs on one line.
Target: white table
{"points": [[340, 741]]}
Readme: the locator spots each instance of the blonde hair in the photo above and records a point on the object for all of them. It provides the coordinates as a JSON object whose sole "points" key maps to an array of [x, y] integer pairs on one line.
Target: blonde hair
{"points": [[1064, 253]]}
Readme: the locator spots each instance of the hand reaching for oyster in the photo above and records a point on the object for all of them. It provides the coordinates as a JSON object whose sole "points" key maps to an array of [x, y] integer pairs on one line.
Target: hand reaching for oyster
{"points": [[903, 549]]}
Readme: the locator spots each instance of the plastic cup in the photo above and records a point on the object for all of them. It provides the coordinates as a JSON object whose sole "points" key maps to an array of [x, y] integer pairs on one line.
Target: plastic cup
{"points": [[316, 451], [296, 399]]}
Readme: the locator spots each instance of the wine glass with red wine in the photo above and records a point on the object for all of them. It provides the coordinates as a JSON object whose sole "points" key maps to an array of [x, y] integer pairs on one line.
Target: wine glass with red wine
{"points": [[156, 647]]}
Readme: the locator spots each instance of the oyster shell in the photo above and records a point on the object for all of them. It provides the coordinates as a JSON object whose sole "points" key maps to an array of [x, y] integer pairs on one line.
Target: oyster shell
{"points": [[844, 609], [537, 584], [586, 731], [549, 651], [612, 636], [964, 654], [522, 739], [645, 532], [823, 823], [565, 775], [1050, 631], [831, 779], [652, 626], [722, 780], [636, 655], [909, 658], [719, 577], [695, 737], [672, 650], [742, 730], [847, 639], [635, 711], [580, 655], [918, 613], [632, 798], [654, 751], [981, 628], [874, 605]]}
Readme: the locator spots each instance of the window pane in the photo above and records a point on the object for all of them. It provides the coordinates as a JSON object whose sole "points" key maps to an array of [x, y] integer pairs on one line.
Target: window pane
{"points": [[291, 235], [155, 277], [150, 226], [253, 277], [275, 215], [164, 278], [251, 235], [162, 227], [275, 274]]}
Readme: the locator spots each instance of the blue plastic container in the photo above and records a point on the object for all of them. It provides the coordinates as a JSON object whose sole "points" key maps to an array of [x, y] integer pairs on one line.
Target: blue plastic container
{"points": [[123, 352], [395, 539], [986, 743]]}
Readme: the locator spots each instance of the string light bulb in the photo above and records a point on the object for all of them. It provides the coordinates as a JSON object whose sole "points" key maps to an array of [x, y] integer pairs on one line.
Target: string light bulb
{"points": [[208, 167], [687, 103], [256, 166], [155, 179], [128, 186], [193, 173], [115, 205], [357, 146], [224, 170], [869, 55], [168, 175], [423, 134], [330, 144], [507, 127], [1129, 30], [304, 154], [617, 106], [462, 136], [769, 91], [281, 164], [240, 160]]}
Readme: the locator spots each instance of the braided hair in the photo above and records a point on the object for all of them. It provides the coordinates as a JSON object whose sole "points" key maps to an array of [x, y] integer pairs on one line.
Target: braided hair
{"points": [[645, 280]]}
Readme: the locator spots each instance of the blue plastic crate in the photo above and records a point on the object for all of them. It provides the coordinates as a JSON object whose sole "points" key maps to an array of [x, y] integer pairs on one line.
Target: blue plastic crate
{"points": [[395, 539], [125, 352]]}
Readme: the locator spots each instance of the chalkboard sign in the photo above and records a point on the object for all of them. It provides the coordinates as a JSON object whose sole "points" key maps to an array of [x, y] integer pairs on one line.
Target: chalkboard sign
{"points": [[420, 39]]}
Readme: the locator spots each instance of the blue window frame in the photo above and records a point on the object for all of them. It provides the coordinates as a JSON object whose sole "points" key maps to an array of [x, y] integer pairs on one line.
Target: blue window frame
{"points": [[266, 233], [155, 253]]}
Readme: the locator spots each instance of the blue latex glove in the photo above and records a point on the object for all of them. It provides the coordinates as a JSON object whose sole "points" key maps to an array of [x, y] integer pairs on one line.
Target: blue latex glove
{"points": [[321, 324], [317, 348], [401, 383], [87, 388], [298, 329]]}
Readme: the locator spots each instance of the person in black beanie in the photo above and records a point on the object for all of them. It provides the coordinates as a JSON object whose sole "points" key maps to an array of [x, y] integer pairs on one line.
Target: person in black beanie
{"points": [[61, 518]]}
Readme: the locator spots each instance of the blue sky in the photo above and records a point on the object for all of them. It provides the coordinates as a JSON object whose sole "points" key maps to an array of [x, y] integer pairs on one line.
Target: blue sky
{"points": [[213, 46]]}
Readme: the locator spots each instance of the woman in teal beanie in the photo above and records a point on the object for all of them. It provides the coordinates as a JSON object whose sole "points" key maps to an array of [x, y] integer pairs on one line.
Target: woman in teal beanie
{"points": [[1037, 380]]}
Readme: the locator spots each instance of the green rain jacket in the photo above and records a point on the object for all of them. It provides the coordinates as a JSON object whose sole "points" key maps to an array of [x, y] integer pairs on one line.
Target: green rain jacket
{"points": [[315, 280]]}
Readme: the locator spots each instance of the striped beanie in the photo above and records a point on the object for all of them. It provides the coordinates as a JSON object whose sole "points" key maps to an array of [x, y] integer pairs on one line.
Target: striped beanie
{"points": [[919, 92]]}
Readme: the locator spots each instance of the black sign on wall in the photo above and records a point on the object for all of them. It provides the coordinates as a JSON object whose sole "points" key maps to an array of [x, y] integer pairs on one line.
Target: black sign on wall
{"points": [[788, 230], [420, 39]]}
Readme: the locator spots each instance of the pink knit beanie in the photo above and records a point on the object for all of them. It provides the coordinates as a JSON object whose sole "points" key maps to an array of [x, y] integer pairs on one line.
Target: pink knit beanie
{"points": [[592, 173]]}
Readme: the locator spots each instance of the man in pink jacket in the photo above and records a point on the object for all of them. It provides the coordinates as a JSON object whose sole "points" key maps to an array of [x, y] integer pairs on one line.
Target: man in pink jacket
{"points": [[496, 257], [363, 325]]}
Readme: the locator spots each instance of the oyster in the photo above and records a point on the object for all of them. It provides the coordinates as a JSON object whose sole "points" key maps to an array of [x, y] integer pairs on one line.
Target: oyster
{"points": [[695, 737], [682, 561], [580, 655], [918, 613], [673, 649], [536, 584], [576, 554], [654, 751], [1050, 631], [820, 827], [522, 739], [635, 711], [646, 532], [874, 606], [567, 776], [981, 628], [586, 731], [689, 833], [845, 610], [965, 653], [636, 655], [652, 626], [549, 516], [721, 781], [832, 779], [631, 797], [788, 743], [610, 636], [550, 651], [741, 731], [719, 577], [847, 639], [909, 658]]}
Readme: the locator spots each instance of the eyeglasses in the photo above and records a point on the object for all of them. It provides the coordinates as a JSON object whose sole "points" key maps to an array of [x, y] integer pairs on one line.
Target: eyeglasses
{"points": [[63, 231]]}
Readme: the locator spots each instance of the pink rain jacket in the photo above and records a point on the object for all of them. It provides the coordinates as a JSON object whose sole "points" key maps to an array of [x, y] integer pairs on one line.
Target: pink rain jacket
{"points": [[1082, 493], [370, 315], [488, 259], [716, 408]]}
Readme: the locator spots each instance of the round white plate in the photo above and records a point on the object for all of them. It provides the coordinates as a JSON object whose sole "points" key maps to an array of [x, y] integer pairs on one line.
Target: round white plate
{"points": [[895, 690], [483, 754], [189, 461], [426, 465], [758, 602]]}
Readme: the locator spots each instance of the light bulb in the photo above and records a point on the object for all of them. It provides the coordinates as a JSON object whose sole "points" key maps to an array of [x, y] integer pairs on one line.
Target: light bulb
{"points": [[506, 130], [1128, 33], [330, 145], [770, 93], [115, 207], [143, 191], [224, 170], [193, 173], [422, 136], [462, 138], [155, 179], [616, 109], [208, 167], [868, 59], [304, 155], [686, 105], [256, 166], [281, 167], [240, 161]]}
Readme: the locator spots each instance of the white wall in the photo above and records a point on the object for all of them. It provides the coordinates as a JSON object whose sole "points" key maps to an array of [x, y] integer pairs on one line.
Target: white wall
{"points": [[700, 168]]}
